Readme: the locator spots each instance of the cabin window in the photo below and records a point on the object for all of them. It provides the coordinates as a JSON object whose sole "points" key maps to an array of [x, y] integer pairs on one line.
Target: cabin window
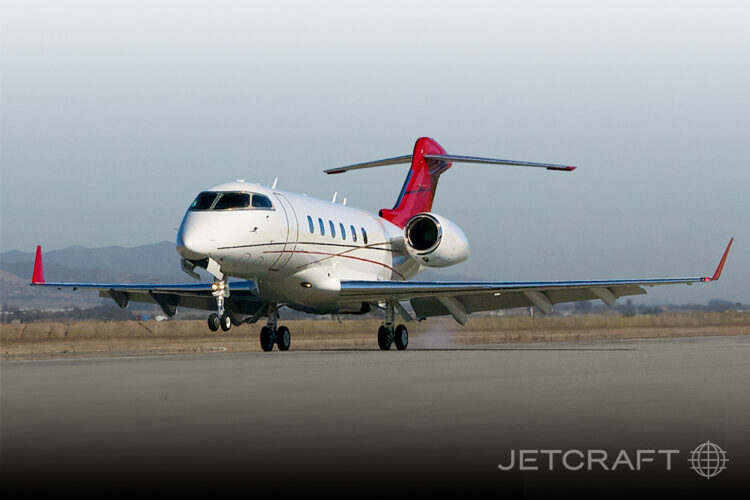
{"points": [[343, 231], [333, 228], [364, 236], [229, 201], [204, 201], [354, 233], [312, 226], [322, 226], [261, 201]]}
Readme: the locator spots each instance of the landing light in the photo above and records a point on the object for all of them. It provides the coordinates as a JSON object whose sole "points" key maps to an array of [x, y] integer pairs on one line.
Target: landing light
{"points": [[305, 284]]}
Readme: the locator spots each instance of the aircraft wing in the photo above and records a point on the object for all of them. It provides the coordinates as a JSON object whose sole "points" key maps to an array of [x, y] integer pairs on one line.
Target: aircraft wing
{"points": [[461, 298], [242, 299]]}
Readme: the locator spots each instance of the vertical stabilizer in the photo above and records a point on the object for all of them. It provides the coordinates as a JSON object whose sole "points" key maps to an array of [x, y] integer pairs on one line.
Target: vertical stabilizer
{"points": [[421, 181]]}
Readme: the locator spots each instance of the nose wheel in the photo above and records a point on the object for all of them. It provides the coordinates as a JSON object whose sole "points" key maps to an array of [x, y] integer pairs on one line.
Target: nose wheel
{"points": [[226, 322], [213, 322]]}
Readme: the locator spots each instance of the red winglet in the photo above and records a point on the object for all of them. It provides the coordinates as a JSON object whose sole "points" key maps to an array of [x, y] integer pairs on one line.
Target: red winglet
{"points": [[38, 276], [564, 169], [717, 273]]}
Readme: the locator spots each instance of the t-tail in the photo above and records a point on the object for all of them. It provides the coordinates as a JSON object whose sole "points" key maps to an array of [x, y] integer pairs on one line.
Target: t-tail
{"points": [[428, 161], [421, 182]]}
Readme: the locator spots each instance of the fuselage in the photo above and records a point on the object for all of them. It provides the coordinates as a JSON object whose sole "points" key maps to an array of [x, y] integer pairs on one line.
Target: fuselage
{"points": [[295, 247]]}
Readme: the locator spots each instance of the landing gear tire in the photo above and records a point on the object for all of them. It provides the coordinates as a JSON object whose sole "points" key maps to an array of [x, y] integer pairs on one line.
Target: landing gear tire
{"points": [[283, 338], [226, 322], [384, 338], [401, 337], [266, 339], [213, 322]]}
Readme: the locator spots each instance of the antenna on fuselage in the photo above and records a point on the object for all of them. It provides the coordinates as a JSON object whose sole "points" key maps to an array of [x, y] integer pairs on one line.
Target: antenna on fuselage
{"points": [[344, 202], [334, 197], [275, 181]]}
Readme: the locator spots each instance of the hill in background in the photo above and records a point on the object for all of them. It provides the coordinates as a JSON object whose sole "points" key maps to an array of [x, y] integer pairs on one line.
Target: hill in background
{"points": [[153, 263]]}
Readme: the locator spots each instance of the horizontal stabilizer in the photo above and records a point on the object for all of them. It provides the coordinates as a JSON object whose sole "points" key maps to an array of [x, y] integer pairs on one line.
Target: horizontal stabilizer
{"points": [[368, 164], [450, 158], [495, 161]]}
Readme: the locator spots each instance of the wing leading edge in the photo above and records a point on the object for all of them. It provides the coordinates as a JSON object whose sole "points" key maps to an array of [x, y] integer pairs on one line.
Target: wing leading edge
{"points": [[461, 298]]}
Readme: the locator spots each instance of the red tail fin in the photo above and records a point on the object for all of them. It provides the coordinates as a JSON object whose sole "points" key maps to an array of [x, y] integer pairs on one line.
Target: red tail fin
{"points": [[421, 181], [38, 276]]}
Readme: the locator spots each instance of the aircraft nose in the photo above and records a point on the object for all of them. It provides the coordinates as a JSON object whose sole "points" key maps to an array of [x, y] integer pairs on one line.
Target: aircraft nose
{"points": [[192, 241]]}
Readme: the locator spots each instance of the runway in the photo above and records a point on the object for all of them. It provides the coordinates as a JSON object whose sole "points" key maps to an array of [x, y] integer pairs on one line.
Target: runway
{"points": [[424, 419]]}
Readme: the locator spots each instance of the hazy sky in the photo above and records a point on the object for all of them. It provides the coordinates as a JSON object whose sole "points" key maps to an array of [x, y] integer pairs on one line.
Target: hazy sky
{"points": [[115, 114]]}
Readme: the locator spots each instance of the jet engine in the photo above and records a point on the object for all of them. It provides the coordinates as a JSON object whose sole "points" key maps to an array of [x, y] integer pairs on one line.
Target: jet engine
{"points": [[435, 241]]}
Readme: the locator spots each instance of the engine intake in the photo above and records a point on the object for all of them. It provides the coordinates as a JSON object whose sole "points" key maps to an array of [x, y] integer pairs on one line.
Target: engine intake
{"points": [[435, 241], [423, 233]]}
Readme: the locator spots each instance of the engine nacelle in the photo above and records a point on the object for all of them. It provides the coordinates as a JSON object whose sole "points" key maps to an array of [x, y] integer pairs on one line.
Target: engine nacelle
{"points": [[435, 241]]}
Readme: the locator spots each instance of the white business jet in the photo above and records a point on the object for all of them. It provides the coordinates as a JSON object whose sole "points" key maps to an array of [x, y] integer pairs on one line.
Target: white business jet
{"points": [[316, 256]]}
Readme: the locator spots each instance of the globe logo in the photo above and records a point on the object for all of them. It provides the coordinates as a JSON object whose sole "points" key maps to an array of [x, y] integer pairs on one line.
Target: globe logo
{"points": [[708, 459]]}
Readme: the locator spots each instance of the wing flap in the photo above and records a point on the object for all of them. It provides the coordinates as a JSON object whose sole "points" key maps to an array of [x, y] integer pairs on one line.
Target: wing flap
{"points": [[407, 290], [425, 307]]}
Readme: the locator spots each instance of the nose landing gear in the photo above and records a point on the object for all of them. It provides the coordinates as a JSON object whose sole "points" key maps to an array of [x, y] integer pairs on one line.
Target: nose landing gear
{"points": [[221, 318]]}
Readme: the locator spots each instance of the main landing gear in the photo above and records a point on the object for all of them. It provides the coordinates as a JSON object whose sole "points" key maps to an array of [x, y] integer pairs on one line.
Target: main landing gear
{"points": [[270, 335], [388, 333]]}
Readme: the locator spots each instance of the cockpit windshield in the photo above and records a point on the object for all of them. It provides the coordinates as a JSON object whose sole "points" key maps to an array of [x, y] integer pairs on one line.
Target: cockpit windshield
{"points": [[203, 201], [232, 200], [261, 201], [210, 200]]}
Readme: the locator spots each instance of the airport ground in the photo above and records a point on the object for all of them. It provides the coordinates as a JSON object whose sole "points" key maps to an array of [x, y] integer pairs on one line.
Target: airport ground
{"points": [[116, 338], [437, 417]]}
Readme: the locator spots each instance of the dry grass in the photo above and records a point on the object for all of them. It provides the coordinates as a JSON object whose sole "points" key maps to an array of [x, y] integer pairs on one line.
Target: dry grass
{"points": [[132, 337]]}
